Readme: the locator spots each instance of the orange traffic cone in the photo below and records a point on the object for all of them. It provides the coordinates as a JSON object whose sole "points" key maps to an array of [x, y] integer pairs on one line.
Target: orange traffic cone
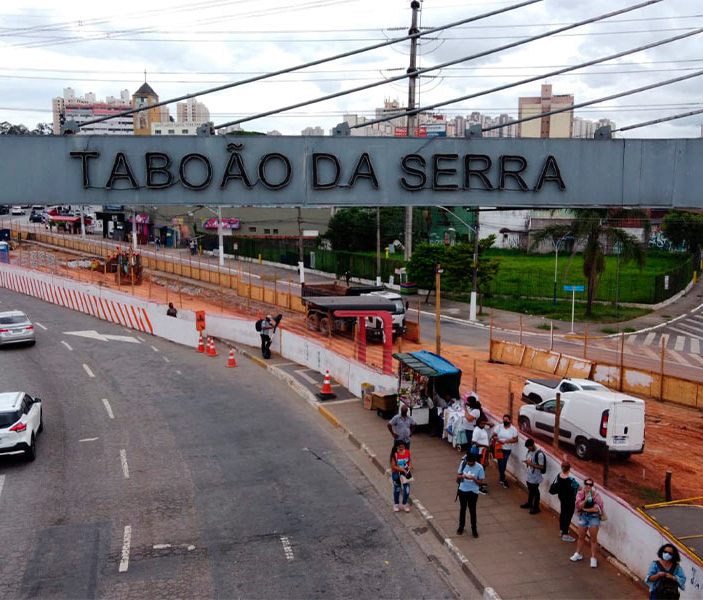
{"points": [[201, 344], [326, 392], [230, 361], [213, 350]]}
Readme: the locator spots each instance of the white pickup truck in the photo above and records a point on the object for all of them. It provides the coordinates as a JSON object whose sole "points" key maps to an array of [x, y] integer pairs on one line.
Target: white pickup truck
{"points": [[539, 390]]}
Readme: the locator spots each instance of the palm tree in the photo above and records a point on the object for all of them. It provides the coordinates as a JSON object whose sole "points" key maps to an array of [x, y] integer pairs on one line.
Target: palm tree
{"points": [[590, 229]]}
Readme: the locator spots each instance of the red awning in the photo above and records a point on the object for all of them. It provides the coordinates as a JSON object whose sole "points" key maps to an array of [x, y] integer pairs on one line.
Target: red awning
{"points": [[60, 219], [142, 219], [227, 223]]}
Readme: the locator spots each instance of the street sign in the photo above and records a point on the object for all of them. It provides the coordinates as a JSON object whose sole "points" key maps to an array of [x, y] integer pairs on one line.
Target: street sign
{"points": [[574, 288], [200, 320]]}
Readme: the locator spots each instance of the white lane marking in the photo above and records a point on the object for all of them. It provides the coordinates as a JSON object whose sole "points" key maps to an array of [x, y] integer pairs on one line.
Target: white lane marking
{"points": [[167, 359], [123, 460], [154, 348], [287, 548], [305, 376], [680, 341], [698, 337], [189, 547], [697, 358], [94, 335], [40, 325], [2, 483], [664, 339], [679, 358], [161, 546], [108, 408], [631, 339], [177, 371], [126, 542], [68, 346], [140, 339], [88, 439], [695, 346], [650, 338], [87, 370], [650, 353]]}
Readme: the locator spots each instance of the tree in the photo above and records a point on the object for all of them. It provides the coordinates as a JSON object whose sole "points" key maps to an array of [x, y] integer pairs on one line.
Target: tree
{"points": [[353, 229], [7, 128], [684, 229], [422, 265], [590, 227]]}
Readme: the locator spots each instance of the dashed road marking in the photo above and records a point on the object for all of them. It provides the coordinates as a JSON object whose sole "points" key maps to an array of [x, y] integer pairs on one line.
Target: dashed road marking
{"points": [[177, 371], [88, 439], [2, 483], [650, 353], [87, 370], [695, 329], [154, 348], [680, 341], [125, 466], [664, 339], [126, 542], [650, 338], [68, 346], [167, 359], [189, 547], [40, 325], [679, 358], [695, 346], [287, 548], [140, 339], [697, 358], [108, 408]]}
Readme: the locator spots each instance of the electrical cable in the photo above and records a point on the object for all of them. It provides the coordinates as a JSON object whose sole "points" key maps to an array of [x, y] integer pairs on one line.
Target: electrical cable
{"points": [[323, 60], [417, 72], [536, 78], [661, 120]]}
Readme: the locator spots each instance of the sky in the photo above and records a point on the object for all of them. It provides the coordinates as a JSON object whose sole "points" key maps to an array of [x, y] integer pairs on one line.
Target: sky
{"points": [[185, 48]]}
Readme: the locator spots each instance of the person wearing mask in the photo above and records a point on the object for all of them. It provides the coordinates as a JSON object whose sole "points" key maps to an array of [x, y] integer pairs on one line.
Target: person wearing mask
{"points": [[505, 437], [536, 464], [267, 327], [479, 445], [469, 476], [566, 489], [666, 577], [401, 472], [472, 412], [402, 426], [171, 310], [589, 505]]}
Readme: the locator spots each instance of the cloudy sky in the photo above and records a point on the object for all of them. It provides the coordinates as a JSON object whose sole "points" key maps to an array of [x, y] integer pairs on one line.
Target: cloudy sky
{"points": [[184, 48]]}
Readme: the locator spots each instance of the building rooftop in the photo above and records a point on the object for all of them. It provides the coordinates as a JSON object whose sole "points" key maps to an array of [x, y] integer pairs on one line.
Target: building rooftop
{"points": [[145, 89]]}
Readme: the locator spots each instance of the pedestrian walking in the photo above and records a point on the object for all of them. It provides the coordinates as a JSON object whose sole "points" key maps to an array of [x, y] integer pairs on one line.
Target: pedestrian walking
{"points": [[479, 445], [267, 327], [536, 464], [347, 277], [402, 426], [589, 505], [157, 242], [666, 577], [565, 487], [192, 247], [469, 477], [171, 311], [401, 473], [505, 437]]}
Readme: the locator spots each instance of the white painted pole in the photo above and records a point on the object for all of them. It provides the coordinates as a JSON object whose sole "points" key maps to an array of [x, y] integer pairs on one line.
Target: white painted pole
{"points": [[134, 229], [83, 223], [220, 254], [301, 270], [573, 304]]}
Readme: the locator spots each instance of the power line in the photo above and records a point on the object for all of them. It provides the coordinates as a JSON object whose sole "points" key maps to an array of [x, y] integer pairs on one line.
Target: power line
{"points": [[435, 67], [661, 120], [536, 78], [322, 60]]}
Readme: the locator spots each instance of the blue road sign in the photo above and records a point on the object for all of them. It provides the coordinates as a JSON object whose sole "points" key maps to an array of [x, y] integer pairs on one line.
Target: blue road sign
{"points": [[574, 288]]}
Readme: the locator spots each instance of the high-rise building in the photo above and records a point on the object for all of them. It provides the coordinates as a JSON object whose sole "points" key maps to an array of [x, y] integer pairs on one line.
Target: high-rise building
{"points": [[192, 111], [313, 131], [86, 108], [552, 126], [145, 97], [585, 129]]}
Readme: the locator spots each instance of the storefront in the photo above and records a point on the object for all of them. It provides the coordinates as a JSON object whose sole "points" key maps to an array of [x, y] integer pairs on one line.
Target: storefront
{"points": [[142, 227]]}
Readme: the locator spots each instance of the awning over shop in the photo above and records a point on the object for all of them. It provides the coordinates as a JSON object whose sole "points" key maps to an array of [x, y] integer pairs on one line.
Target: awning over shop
{"points": [[426, 363], [142, 219], [62, 219], [227, 223]]}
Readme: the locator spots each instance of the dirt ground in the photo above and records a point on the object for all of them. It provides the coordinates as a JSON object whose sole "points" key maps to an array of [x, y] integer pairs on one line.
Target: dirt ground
{"points": [[674, 434]]}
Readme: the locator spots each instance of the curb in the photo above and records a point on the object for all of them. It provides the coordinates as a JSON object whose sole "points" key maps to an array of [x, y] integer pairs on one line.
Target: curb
{"points": [[467, 567]]}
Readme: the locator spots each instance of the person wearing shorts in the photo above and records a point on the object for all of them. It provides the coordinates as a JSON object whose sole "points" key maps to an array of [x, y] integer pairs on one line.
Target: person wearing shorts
{"points": [[589, 505]]}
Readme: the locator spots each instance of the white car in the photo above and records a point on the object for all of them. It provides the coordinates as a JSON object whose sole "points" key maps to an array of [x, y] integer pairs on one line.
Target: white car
{"points": [[539, 390], [20, 423], [15, 327], [17, 210]]}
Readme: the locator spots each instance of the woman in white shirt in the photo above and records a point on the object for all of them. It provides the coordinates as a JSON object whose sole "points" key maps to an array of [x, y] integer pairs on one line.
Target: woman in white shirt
{"points": [[505, 437], [471, 414]]}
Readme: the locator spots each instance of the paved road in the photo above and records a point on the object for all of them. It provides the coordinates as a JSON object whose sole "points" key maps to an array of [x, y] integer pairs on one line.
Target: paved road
{"points": [[166, 474]]}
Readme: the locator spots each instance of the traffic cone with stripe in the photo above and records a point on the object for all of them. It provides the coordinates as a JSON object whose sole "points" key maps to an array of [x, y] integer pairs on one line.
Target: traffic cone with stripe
{"points": [[230, 361], [201, 344], [212, 351], [326, 392]]}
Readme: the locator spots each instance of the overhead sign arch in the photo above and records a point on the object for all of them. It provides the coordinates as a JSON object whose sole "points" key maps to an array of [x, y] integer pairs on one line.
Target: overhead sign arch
{"points": [[351, 171]]}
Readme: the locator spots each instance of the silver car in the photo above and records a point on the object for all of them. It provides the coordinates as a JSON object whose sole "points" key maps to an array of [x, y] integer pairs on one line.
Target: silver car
{"points": [[16, 327]]}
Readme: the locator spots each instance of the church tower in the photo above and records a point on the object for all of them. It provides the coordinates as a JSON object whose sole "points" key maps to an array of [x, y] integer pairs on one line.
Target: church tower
{"points": [[143, 98]]}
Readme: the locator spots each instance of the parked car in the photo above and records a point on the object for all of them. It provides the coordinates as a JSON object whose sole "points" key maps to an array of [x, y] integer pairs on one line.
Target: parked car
{"points": [[4, 209], [17, 210], [36, 217], [538, 390], [591, 421], [15, 327], [21, 421]]}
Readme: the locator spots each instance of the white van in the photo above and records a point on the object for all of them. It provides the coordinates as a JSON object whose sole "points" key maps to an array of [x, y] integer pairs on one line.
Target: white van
{"points": [[590, 419]]}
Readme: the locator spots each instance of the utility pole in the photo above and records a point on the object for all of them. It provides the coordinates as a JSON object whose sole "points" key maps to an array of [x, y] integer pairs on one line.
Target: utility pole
{"points": [[378, 245], [474, 286], [301, 258], [220, 242], [412, 119]]}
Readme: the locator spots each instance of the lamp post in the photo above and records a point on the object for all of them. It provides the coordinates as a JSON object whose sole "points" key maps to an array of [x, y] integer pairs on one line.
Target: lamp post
{"points": [[556, 244], [617, 248], [220, 242]]}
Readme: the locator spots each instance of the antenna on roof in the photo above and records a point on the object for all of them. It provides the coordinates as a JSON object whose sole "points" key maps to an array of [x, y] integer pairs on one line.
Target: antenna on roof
{"points": [[144, 75]]}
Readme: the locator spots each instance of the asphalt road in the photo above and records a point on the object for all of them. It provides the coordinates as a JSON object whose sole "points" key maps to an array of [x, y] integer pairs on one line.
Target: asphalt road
{"points": [[160, 473]]}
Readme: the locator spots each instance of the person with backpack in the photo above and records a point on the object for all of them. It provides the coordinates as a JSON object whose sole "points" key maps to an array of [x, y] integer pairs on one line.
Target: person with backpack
{"points": [[265, 327], [565, 487], [401, 473], [666, 578], [536, 464]]}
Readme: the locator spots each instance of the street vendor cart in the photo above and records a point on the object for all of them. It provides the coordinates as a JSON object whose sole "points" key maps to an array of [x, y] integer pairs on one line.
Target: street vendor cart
{"points": [[422, 377]]}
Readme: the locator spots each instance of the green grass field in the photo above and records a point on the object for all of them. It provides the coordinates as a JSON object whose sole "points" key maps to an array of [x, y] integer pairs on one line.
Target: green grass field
{"points": [[532, 275]]}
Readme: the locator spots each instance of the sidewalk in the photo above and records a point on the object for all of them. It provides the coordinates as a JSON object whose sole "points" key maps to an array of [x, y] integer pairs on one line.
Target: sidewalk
{"points": [[517, 554]]}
